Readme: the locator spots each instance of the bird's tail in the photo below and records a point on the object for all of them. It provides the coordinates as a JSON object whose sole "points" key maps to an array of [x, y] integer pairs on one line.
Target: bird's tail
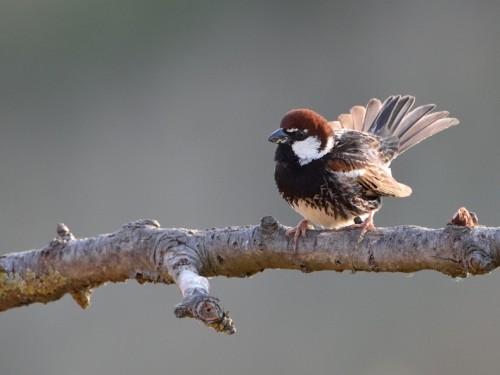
{"points": [[394, 119]]}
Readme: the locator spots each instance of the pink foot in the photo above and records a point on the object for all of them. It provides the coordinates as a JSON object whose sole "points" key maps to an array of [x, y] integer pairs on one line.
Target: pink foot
{"points": [[300, 230], [365, 226]]}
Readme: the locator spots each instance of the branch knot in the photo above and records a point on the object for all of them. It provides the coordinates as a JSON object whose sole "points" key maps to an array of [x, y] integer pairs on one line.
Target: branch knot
{"points": [[207, 309], [269, 225], [479, 262]]}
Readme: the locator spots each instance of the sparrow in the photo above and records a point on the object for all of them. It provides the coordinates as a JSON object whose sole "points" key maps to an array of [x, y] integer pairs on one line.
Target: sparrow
{"points": [[335, 173]]}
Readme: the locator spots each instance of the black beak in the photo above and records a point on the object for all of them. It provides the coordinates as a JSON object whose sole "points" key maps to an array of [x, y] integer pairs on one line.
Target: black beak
{"points": [[279, 136]]}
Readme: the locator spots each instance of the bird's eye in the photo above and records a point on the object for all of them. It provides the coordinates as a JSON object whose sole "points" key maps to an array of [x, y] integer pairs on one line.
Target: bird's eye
{"points": [[300, 135]]}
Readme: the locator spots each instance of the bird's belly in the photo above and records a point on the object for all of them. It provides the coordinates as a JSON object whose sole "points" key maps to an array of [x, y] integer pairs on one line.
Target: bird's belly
{"points": [[321, 217]]}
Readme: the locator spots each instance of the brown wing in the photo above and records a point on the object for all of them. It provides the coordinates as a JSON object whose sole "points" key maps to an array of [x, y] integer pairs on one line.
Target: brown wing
{"points": [[380, 182], [375, 179]]}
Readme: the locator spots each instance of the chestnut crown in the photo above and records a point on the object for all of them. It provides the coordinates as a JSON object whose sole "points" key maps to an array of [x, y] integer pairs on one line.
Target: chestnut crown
{"points": [[306, 132]]}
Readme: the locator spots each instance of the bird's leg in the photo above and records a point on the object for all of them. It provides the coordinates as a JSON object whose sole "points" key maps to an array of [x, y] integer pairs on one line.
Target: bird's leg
{"points": [[365, 225], [299, 230]]}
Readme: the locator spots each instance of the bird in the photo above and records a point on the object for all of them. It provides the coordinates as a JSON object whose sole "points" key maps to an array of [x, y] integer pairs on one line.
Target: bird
{"points": [[334, 173]]}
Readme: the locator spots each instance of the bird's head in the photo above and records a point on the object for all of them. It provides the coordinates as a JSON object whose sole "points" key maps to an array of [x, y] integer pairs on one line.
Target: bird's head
{"points": [[306, 133]]}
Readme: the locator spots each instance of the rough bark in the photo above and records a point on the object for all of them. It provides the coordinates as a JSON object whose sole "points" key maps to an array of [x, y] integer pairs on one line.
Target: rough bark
{"points": [[147, 253]]}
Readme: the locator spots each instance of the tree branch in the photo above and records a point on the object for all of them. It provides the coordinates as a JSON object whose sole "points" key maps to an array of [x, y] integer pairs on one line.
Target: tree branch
{"points": [[147, 253]]}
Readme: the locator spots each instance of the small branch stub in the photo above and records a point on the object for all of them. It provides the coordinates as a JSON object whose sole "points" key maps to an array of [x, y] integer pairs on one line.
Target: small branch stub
{"points": [[206, 309], [64, 233], [269, 225], [464, 218], [82, 297]]}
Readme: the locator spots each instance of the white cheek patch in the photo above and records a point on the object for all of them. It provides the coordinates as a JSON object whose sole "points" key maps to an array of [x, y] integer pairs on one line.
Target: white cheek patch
{"points": [[309, 149]]}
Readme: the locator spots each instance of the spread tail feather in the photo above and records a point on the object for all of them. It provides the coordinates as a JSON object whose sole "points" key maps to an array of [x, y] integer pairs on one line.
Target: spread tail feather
{"points": [[395, 119]]}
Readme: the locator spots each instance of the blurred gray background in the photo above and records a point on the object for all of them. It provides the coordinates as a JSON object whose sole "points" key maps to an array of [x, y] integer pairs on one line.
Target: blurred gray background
{"points": [[111, 111]]}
